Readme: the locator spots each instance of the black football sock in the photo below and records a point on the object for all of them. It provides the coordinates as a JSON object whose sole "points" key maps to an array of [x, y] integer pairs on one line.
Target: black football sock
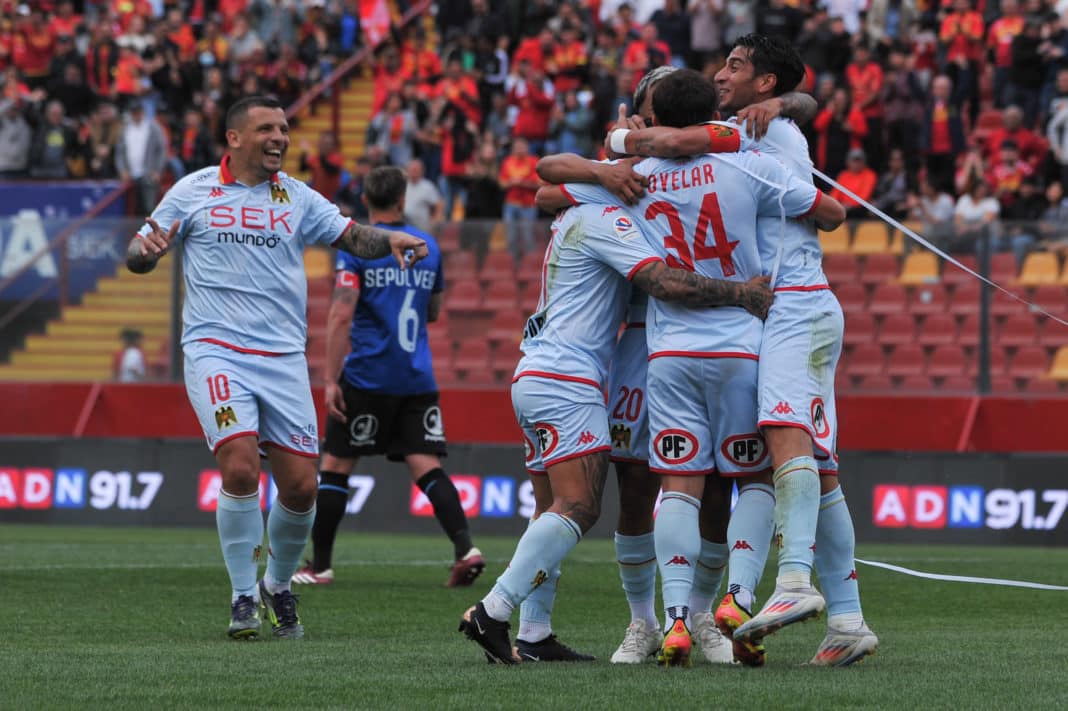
{"points": [[329, 509], [446, 502]]}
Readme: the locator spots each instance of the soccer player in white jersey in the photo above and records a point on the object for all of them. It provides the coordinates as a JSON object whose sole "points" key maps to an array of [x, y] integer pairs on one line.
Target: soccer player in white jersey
{"points": [[800, 350], [242, 228], [628, 419], [702, 369], [558, 395]]}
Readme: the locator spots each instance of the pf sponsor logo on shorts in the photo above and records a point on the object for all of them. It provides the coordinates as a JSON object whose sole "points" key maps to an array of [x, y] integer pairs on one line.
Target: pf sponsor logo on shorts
{"points": [[548, 438], [528, 450], [363, 429], [433, 427], [675, 446], [746, 450], [820, 427]]}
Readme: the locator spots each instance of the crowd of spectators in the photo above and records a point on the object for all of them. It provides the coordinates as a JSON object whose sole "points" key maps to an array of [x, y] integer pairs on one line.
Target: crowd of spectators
{"points": [[953, 113], [137, 89]]}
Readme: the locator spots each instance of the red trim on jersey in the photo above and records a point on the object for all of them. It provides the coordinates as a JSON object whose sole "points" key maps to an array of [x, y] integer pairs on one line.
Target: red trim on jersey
{"points": [[703, 354], [635, 324], [555, 376], [811, 287], [815, 203], [347, 226], [347, 280], [235, 435], [641, 265], [576, 455], [828, 472], [722, 139], [684, 472], [239, 349], [568, 195], [628, 460], [308, 455], [226, 176]]}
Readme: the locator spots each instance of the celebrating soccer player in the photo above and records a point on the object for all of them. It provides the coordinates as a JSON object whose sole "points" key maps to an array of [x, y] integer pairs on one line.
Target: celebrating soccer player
{"points": [[242, 228]]}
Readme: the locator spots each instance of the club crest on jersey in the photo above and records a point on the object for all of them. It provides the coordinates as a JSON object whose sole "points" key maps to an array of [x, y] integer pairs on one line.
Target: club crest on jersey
{"points": [[820, 427], [279, 194], [747, 450], [676, 446], [620, 436], [224, 417], [547, 436]]}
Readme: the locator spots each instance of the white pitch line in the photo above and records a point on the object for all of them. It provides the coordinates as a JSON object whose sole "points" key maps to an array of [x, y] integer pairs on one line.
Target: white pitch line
{"points": [[962, 578]]}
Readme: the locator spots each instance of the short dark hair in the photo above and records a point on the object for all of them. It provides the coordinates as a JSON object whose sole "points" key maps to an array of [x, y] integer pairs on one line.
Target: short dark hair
{"points": [[684, 98], [384, 187], [239, 110], [774, 55]]}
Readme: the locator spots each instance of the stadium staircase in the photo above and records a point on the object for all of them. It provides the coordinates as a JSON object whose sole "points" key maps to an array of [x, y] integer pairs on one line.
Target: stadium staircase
{"points": [[82, 343]]}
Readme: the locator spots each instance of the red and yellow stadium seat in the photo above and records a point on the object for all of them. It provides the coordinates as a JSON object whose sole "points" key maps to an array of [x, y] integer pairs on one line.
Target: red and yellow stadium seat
{"points": [[919, 268], [1039, 268], [870, 238], [835, 241]]}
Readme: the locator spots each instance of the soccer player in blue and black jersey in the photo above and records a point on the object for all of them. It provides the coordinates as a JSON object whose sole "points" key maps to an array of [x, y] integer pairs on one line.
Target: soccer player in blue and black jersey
{"points": [[381, 397]]}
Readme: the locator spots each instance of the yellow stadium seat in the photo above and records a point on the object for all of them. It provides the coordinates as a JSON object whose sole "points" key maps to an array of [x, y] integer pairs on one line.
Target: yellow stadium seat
{"points": [[897, 243], [318, 263], [1039, 268], [919, 268], [835, 242], [870, 238], [1059, 369]]}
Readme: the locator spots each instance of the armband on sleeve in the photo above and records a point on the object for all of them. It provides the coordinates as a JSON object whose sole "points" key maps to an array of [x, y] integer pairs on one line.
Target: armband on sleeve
{"points": [[723, 139]]}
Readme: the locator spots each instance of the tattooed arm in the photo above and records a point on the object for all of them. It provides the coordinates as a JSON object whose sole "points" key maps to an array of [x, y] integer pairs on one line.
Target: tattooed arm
{"points": [[667, 284], [373, 243]]}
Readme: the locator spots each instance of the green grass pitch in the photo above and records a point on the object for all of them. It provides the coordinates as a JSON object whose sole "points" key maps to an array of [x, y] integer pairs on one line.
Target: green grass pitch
{"points": [[136, 618]]}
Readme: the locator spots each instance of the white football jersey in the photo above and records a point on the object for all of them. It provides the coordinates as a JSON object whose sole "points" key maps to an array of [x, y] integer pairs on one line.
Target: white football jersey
{"points": [[243, 256], [584, 292], [701, 215]]}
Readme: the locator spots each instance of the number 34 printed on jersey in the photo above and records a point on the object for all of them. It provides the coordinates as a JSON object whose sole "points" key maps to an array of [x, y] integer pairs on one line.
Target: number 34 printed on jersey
{"points": [[710, 218]]}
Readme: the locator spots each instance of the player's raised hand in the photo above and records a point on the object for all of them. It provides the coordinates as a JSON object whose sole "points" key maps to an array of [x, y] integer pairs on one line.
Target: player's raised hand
{"points": [[335, 401], [623, 181], [407, 250], [757, 296], [756, 117], [155, 244]]}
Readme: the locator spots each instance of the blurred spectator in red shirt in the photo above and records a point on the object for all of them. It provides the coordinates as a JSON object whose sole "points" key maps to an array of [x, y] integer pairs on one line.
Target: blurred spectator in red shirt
{"points": [[536, 50], [519, 180], [459, 137], [389, 77], [286, 75], [123, 10], [673, 26], [839, 127], [569, 64], [961, 35], [942, 135], [860, 179], [534, 96], [7, 42], [180, 32], [128, 75], [1032, 147], [999, 41], [101, 59], [325, 166], [40, 43], [195, 147], [624, 24], [420, 61], [229, 10], [460, 90], [65, 21], [646, 53], [864, 78], [1007, 173]]}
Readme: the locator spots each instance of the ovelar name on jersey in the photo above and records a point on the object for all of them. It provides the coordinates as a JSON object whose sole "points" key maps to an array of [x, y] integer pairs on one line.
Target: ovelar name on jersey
{"points": [[393, 276], [681, 179]]}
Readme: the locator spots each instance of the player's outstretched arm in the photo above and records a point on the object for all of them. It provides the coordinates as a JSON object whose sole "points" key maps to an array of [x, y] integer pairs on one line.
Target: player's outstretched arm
{"points": [[663, 282], [338, 322], [372, 243], [618, 178], [145, 250]]}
